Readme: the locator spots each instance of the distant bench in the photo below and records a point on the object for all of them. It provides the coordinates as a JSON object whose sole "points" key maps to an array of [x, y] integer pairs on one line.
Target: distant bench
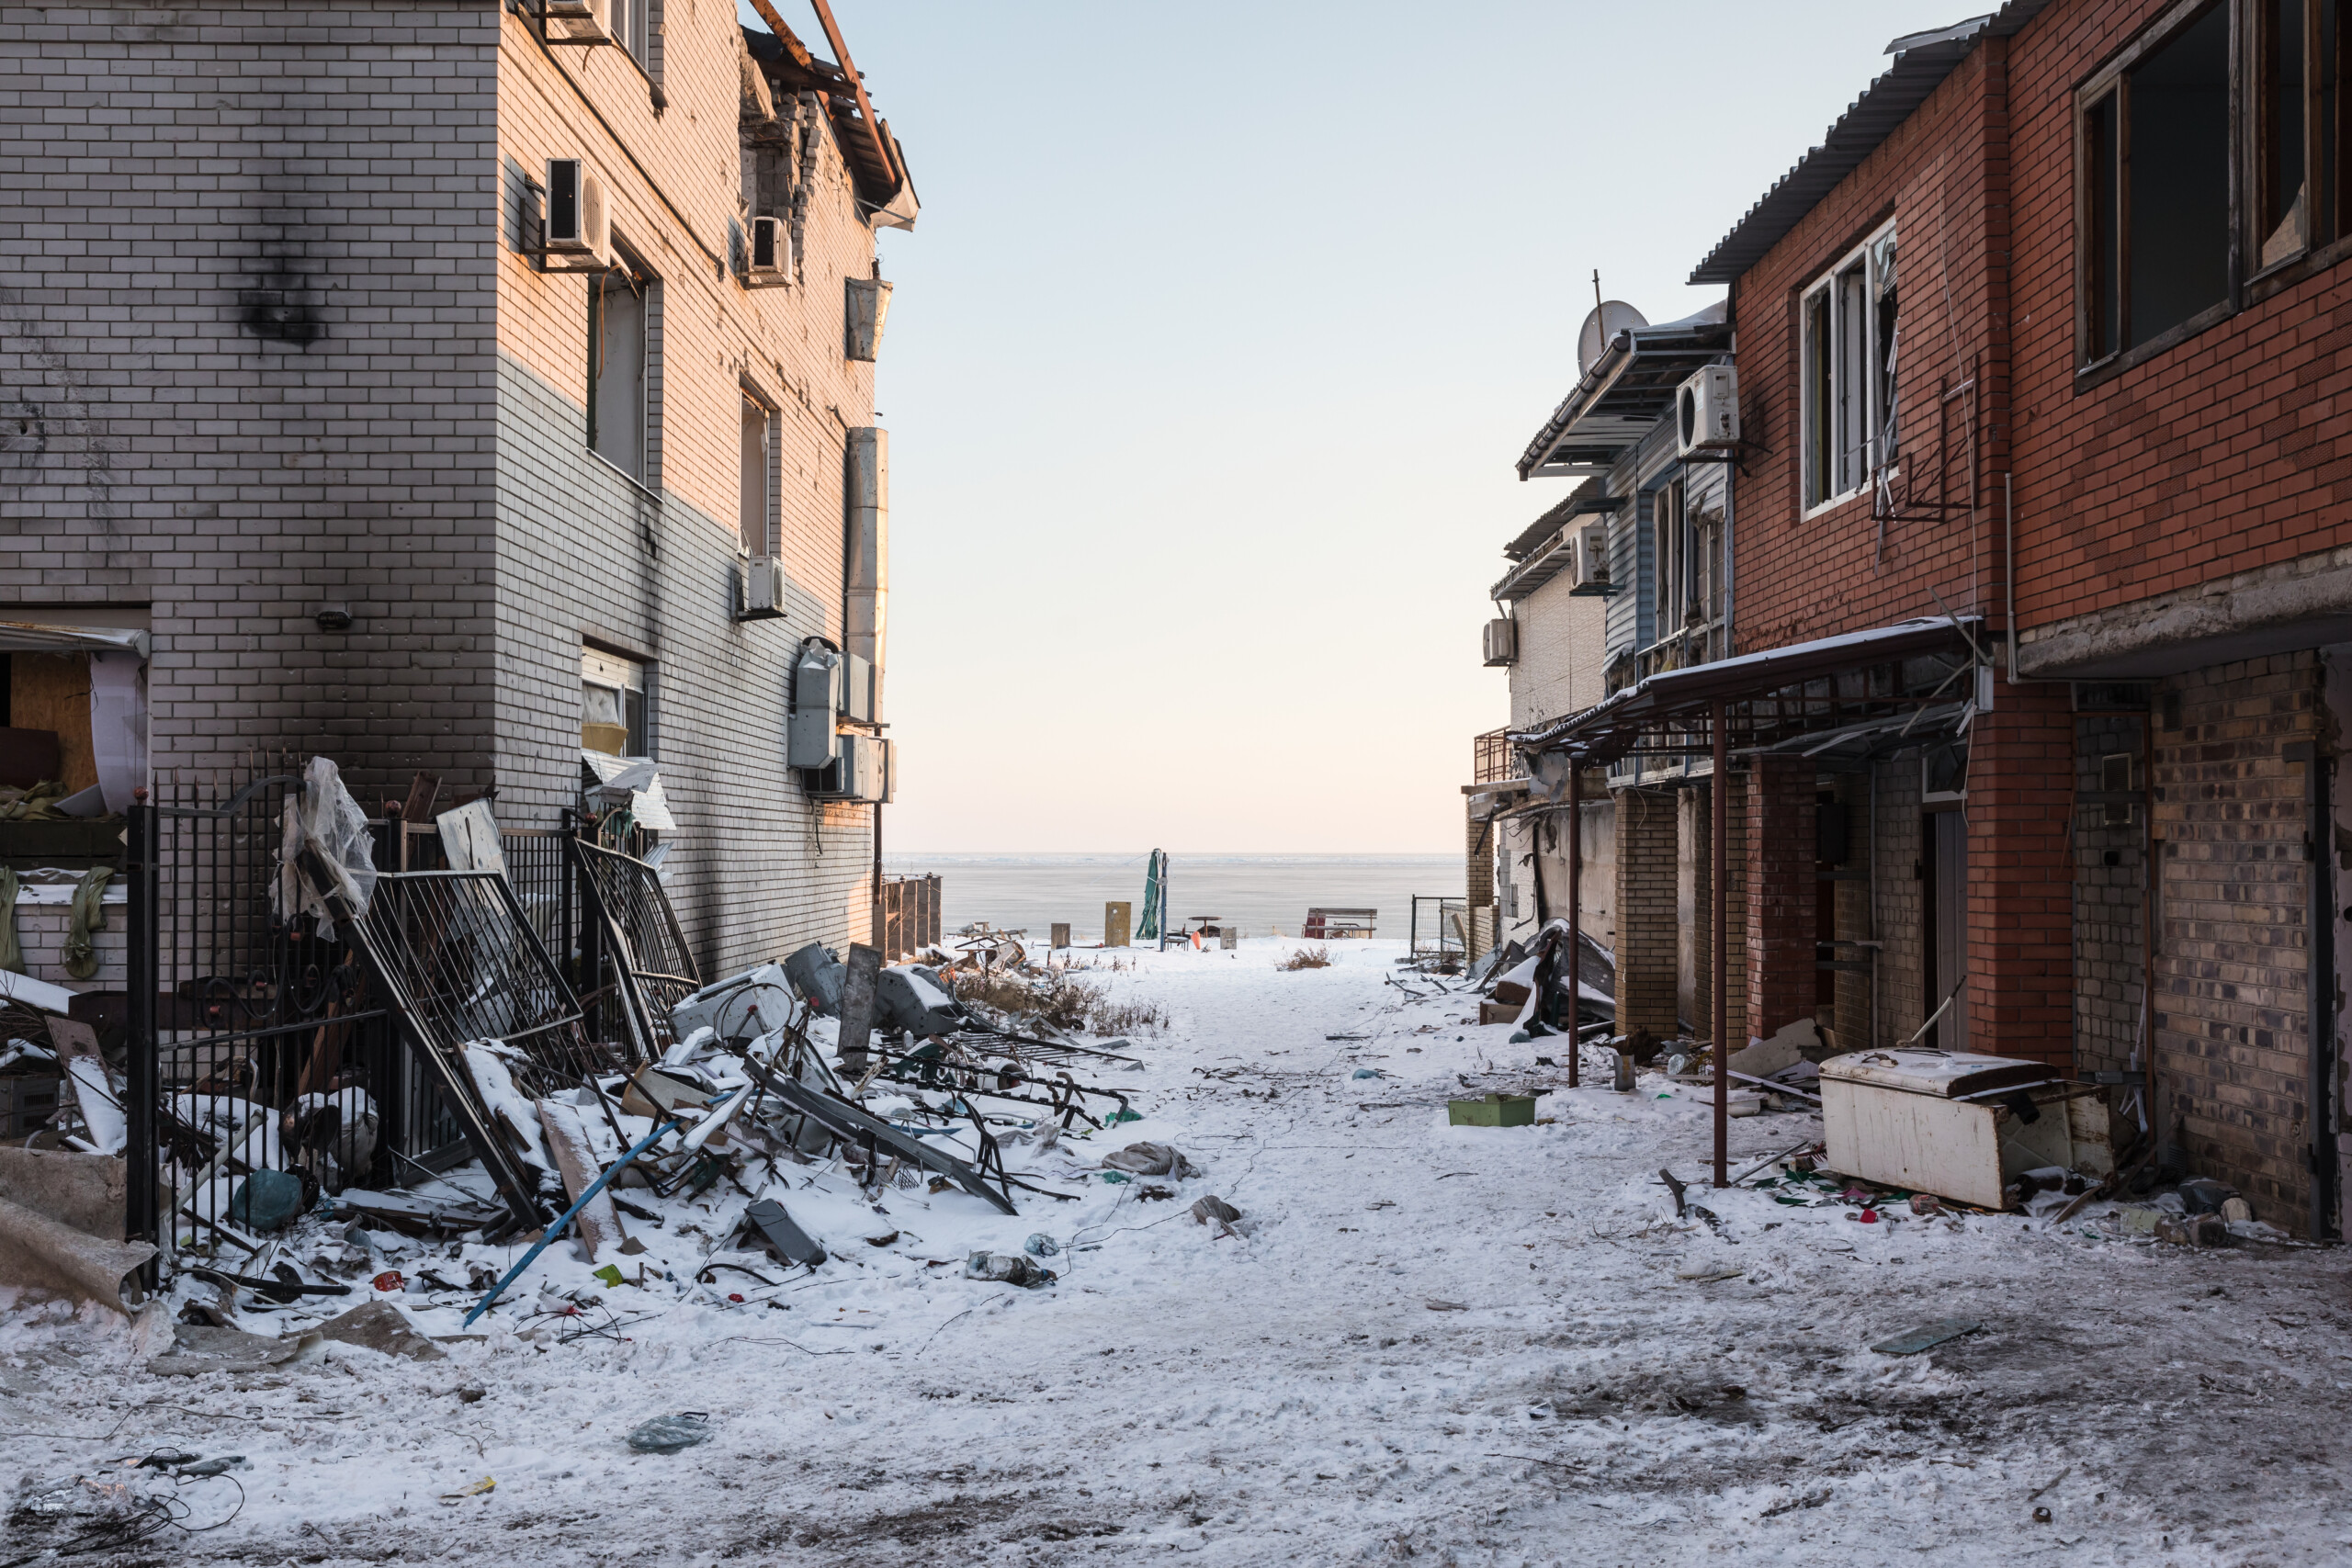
{"points": [[1336, 924]]}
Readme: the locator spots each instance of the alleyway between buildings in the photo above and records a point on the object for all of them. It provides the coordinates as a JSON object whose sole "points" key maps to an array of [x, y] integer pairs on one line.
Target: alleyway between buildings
{"points": [[1449, 1345]]}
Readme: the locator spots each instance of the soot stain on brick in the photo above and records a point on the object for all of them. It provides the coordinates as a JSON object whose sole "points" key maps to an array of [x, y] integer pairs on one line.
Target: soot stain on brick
{"points": [[282, 304]]}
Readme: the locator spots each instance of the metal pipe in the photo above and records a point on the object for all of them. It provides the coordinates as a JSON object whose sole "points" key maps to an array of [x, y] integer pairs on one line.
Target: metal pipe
{"points": [[145, 1090], [2319, 965], [1720, 804], [1575, 913]]}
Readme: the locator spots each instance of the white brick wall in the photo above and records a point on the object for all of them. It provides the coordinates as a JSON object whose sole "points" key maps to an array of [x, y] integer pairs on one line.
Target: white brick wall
{"points": [[1562, 640], [266, 342]]}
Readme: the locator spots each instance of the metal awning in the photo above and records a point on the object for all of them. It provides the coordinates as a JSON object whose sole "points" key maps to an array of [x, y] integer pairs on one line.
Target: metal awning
{"points": [[1628, 389], [1838, 683], [47, 637]]}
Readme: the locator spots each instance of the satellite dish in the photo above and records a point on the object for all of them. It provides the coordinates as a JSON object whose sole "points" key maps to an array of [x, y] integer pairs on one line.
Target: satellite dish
{"points": [[1601, 325]]}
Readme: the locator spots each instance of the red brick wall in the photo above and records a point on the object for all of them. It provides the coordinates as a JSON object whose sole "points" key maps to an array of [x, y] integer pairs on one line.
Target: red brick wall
{"points": [[1780, 888], [2227, 452], [2020, 877]]}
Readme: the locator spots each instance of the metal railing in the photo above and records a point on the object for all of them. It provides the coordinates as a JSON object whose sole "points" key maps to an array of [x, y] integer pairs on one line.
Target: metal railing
{"points": [[1491, 757]]}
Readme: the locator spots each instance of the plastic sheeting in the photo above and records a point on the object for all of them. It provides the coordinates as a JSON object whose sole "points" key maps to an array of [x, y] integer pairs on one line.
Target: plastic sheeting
{"points": [[328, 822]]}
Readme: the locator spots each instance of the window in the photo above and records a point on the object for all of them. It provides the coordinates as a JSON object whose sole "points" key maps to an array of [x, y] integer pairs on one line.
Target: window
{"points": [[753, 515], [632, 26], [1684, 542], [612, 704], [2295, 134], [616, 363], [2155, 152], [1849, 322]]}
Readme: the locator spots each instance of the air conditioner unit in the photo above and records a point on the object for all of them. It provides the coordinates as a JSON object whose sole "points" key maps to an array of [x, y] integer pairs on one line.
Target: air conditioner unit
{"points": [[771, 253], [1502, 642], [856, 695], [816, 691], [1589, 571], [579, 230], [579, 21], [762, 586], [1706, 411], [860, 770]]}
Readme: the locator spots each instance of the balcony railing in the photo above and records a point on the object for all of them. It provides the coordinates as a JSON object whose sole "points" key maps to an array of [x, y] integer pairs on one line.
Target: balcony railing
{"points": [[1492, 760]]}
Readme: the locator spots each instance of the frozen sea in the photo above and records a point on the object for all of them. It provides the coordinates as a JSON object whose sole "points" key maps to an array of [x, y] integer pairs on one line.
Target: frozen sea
{"points": [[1264, 894]]}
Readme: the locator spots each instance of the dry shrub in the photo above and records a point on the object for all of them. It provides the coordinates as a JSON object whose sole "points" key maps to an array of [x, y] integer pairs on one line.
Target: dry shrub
{"points": [[1307, 958], [1060, 1000]]}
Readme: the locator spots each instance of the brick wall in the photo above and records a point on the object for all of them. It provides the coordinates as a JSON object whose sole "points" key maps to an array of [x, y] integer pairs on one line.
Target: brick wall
{"points": [[2110, 900], [2231, 1004], [1648, 929], [245, 364], [1695, 914], [1562, 643], [270, 340], [2020, 891], [1901, 899], [1850, 902], [1780, 889]]}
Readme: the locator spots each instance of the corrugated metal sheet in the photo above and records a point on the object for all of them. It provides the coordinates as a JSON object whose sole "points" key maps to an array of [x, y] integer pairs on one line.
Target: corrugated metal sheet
{"points": [[1918, 70]]}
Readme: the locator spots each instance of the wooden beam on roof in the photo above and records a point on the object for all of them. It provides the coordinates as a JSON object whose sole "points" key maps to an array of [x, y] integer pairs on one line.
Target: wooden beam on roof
{"points": [[857, 86]]}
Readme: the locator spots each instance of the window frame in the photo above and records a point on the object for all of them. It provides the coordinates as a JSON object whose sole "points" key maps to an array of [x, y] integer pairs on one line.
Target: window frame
{"points": [[646, 289], [2327, 175], [770, 421], [1826, 367]]}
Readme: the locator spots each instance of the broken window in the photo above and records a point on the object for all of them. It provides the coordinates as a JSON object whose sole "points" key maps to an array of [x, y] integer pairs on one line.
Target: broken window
{"points": [[753, 514], [2154, 150], [618, 347], [1847, 320], [2295, 131], [612, 704]]}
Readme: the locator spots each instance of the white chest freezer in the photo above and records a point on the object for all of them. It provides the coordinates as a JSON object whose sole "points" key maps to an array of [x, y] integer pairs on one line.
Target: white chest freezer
{"points": [[1959, 1124]]}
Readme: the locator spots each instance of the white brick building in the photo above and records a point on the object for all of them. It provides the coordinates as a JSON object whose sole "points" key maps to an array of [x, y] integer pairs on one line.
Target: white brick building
{"points": [[285, 385]]}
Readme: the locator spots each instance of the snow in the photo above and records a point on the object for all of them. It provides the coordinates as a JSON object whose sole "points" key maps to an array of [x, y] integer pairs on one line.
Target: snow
{"points": [[1452, 1344]]}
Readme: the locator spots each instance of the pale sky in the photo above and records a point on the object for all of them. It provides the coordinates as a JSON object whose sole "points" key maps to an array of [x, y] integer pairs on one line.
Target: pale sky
{"points": [[1209, 359]]}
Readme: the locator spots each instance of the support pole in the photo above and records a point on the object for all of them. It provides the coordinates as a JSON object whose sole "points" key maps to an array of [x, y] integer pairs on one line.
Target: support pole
{"points": [[1575, 915], [1720, 799]]}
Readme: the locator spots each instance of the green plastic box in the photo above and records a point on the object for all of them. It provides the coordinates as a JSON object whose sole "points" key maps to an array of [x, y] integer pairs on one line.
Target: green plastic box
{"points": [[1493, 1111]]}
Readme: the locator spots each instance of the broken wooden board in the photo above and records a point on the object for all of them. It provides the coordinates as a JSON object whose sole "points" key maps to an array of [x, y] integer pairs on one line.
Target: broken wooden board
{"points": [[852, 1125], [1927, 1335], [575, 1159], [654, 1094], [775, 1230]]}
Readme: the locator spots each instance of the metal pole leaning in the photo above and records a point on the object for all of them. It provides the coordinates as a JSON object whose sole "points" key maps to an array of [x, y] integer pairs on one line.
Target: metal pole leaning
{"points": [[1576, 916]]}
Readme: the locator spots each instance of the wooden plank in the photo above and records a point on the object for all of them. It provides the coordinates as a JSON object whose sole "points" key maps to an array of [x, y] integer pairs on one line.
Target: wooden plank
{"points": [[599, 1224], [52, 692]]}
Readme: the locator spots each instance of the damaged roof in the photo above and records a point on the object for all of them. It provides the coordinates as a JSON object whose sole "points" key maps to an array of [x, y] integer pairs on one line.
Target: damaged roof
{"points": [[1628, 388], [876, 163], [1922, 61]]}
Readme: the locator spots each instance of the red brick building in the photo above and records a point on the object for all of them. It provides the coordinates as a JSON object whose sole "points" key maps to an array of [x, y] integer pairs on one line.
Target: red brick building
{"points": [[2045, 349]]}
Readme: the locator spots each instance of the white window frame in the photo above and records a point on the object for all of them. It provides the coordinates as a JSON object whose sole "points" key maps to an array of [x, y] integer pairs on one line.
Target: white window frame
{"points": [[1854, 373]]}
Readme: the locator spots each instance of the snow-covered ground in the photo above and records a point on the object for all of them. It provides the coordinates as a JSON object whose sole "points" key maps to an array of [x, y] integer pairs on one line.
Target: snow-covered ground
{"points": [[1451, 1345]]}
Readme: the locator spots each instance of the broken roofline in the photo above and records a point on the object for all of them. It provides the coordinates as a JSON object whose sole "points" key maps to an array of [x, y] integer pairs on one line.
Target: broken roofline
{"points": [[1685, 698], [875, 160], [1922, 62]]}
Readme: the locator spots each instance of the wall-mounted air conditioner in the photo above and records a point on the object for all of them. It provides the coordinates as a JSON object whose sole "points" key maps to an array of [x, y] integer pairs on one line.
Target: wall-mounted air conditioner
{"points": [[771, 253], [816, 696], [762, 585], [579, 229], [579, 21], [1706, 411], [1588, 570], [856, 699], [860, 770], [1501, 642]]}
